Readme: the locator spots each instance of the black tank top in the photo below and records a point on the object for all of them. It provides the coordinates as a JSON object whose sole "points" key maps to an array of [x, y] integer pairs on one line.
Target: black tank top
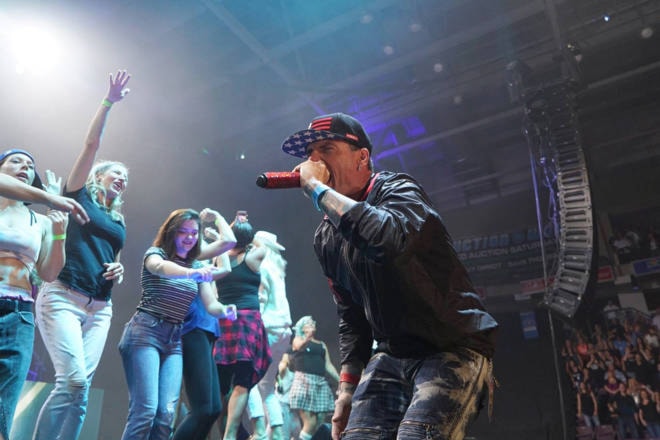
{"points": [[310, 359], [240, 287]]}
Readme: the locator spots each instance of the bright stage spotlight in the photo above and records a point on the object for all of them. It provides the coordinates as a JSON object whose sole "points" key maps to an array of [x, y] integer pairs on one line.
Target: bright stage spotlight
{"points": [[36, 49]]}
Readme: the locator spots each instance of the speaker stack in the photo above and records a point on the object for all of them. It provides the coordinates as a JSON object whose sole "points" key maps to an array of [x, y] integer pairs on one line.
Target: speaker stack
{"points": [[552, 117]]}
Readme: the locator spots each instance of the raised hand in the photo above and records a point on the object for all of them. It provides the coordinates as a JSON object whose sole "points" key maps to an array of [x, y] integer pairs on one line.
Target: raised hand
{"points": [[208, 215], [118, 88], [53, 184]]}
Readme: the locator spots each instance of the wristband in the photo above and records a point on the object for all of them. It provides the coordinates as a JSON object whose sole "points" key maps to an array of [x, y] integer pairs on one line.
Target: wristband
{"points": [[353, 379], [106, 102], [57, 237], [317, 193]]}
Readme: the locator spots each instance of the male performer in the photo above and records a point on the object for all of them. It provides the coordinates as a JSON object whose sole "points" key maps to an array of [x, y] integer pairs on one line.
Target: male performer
{"points": [[397, 279]]}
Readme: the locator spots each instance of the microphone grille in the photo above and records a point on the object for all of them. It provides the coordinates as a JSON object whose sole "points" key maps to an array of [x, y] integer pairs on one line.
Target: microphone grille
{"points": [[262, 180]]}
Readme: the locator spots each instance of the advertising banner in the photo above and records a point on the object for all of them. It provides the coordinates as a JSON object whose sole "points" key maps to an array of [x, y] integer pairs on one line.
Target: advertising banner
{"points": [[506, 257]]}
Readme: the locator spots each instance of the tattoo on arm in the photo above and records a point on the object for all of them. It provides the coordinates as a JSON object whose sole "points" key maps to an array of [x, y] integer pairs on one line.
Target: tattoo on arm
{"points": [[335, 205]]}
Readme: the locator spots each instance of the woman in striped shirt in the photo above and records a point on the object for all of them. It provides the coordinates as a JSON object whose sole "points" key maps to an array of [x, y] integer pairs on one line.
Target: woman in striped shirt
{"points": [[150, 347]]}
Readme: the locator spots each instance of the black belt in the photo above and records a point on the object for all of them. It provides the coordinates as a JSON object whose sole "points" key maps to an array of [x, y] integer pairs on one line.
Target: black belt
{"points": [[14, 305]]}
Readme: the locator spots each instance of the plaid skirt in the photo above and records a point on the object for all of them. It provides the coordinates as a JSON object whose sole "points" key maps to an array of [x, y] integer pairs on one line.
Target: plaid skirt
{"points": [[311, 392], [244, 339]]}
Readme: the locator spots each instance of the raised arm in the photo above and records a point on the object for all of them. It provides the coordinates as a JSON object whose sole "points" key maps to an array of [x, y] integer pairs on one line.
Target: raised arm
{"points": [[222, 266], [255, 256], [298, 342], [85, 161], [223, 240]]}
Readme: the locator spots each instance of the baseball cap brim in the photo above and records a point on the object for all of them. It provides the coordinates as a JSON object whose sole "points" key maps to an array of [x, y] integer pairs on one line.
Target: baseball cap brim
{"points": [[297, 143]]}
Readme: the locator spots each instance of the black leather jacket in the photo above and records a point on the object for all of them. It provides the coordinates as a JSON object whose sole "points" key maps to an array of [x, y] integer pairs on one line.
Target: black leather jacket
{"points": [[397, 279]]}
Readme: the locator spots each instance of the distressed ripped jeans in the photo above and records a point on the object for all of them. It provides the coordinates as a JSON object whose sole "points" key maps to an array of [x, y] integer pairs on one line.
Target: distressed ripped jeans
{"points": [[74, 329], [405, 399]]}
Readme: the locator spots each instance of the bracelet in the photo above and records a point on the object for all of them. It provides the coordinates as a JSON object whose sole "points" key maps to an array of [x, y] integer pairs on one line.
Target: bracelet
{"points": [[106, 102], [317, 193], [353, 379], [57, 237]]}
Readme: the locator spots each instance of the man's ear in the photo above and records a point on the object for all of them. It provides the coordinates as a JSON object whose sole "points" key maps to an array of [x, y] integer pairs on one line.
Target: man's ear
{"points": [[364, 154]]}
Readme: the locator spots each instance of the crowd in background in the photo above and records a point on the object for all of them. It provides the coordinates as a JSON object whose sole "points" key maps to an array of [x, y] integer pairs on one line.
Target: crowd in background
{"points": [[631, 243], [614, 369]]}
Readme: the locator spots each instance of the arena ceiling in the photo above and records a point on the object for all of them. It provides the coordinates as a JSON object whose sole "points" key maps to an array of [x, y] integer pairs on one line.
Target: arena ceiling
{"points": [[427, 77]]}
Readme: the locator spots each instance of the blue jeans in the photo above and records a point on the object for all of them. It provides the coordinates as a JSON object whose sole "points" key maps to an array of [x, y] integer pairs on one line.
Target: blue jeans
{"points": [[150, 349], [428, 398], [16, 343], [74, 329]]}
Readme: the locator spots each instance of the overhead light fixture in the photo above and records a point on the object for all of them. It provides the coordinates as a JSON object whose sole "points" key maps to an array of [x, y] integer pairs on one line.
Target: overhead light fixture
{"points": [[646, 32], [388, 50], [607, 17], [438, 67]]}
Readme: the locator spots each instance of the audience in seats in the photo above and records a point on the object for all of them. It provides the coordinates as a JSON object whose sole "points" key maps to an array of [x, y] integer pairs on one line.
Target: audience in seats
{"points": [[635, 243], [614, 370]]}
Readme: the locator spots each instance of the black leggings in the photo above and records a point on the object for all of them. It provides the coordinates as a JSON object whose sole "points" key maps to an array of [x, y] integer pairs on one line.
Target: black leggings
{"points": [[200, 378]]}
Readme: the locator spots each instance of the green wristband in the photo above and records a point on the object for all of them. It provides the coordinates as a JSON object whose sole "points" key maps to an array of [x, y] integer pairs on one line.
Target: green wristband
{"points": [[59, 237], [106, 102]]}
